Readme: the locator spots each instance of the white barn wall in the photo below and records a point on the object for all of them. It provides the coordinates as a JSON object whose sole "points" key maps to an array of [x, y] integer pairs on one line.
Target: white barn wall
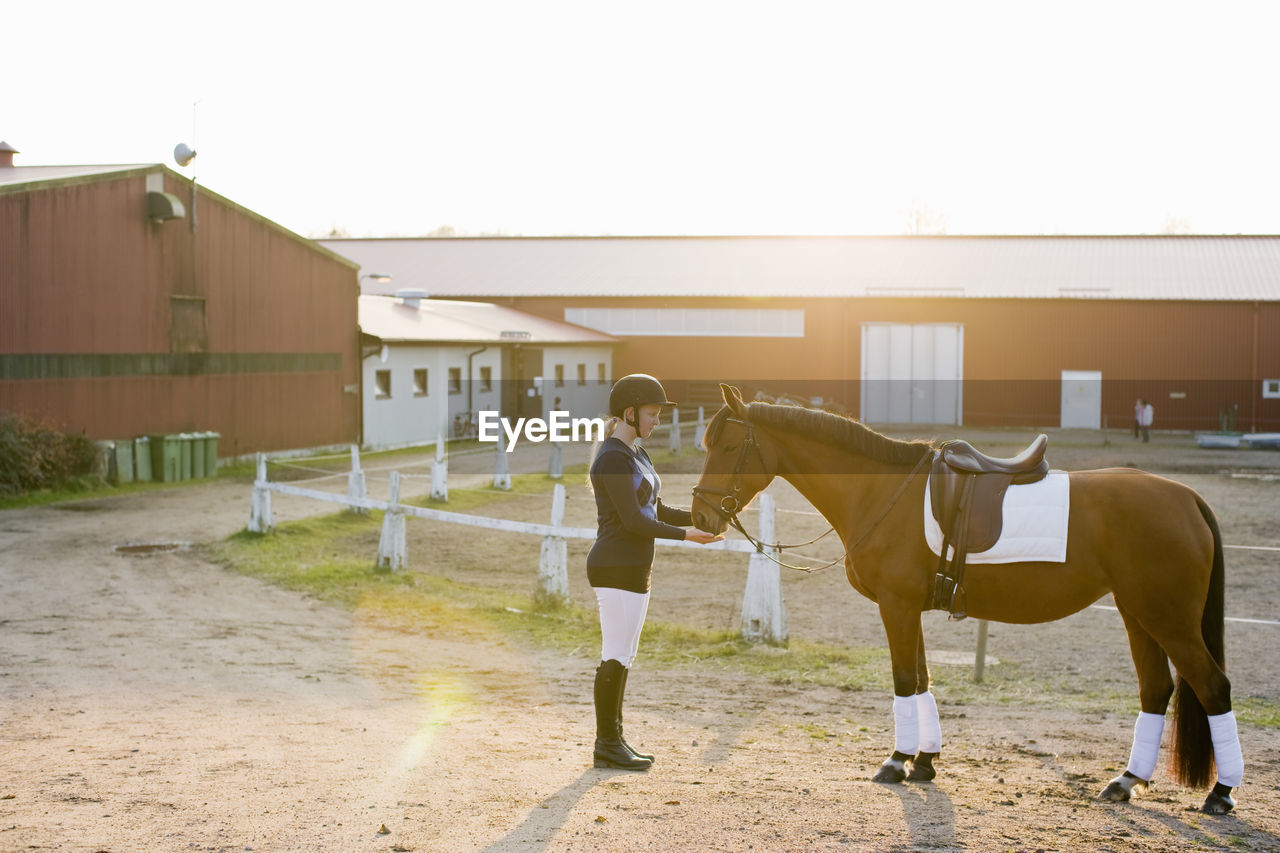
{"points": [[406, 418], [583, 401]]}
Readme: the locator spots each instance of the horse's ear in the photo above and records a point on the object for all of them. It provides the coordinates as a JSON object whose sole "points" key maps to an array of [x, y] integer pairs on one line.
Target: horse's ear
{"points": [[732, 399]]}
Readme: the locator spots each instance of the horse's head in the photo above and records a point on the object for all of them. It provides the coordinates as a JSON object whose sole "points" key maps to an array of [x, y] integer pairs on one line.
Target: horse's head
{"points": [[738, 465]]}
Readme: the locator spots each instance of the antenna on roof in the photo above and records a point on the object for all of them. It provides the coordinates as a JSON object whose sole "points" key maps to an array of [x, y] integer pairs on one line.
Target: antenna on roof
{"points": [[183, 154]]}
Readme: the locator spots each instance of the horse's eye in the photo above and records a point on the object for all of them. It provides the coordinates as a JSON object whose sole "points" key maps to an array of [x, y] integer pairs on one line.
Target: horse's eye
{"points": [[731, 448]]}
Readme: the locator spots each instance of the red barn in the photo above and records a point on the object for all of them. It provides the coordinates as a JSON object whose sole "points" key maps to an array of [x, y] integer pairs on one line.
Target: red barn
{"points": [[134, 302]]}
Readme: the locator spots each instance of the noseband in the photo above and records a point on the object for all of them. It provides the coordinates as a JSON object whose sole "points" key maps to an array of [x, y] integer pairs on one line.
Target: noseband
{"points": [[729, 505]]}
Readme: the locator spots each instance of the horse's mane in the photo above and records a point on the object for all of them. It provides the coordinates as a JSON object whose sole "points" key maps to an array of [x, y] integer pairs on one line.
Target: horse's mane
{"points": [[831, 429]]}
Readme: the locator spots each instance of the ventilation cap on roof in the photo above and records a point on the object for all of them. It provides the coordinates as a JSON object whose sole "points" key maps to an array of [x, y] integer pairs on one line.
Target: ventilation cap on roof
{"points": [[412, 296]]}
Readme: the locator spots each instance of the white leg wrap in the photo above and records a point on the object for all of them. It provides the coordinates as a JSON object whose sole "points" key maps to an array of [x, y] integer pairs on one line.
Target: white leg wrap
{"points": [[1146, 745], [906, 727], [930, 728], [1226, 749]]}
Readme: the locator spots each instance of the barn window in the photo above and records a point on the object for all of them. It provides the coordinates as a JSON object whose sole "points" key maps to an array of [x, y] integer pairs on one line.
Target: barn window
{"points": [[1271, 388], [455, 380], [382, 384], [486, 379], [420, 382], [582, 374], [602, 375], [559, 375], [187, 331]]}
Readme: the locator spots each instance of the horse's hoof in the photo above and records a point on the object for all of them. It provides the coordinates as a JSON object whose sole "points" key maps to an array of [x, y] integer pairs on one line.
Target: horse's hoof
{"points": [[1115, 793], [1219, 800], [922, 768], [890, 774], [1121, 788]]}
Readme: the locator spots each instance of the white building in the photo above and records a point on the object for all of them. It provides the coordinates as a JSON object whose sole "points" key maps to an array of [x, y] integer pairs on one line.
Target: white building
{"points": [[429, 366]]}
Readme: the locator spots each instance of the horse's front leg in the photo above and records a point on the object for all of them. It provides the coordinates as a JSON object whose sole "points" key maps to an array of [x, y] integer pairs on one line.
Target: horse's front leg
{"points": [[917, 734]]}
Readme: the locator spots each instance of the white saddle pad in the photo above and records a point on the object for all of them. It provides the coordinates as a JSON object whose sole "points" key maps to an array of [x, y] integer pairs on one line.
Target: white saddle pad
{"points": [[1034, 528]]}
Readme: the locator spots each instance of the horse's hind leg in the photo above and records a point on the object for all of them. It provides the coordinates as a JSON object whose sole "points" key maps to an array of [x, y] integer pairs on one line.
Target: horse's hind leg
{"points": [[1155, 686]]}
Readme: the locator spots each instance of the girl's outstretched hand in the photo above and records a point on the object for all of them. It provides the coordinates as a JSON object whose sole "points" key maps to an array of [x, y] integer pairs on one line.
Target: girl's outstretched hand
{"points": [[702, 537]]}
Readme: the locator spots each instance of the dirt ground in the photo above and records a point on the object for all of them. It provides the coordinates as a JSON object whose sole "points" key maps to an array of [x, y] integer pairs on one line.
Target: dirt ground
{"points": [[164, 703]]}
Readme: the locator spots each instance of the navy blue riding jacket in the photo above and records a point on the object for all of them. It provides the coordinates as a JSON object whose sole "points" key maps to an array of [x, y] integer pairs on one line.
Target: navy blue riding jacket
{"points": [[630, 516]]}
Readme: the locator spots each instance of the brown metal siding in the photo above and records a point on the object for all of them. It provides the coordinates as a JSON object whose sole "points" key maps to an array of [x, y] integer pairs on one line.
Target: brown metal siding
{"points": [[84, 273], [1014, 353]]}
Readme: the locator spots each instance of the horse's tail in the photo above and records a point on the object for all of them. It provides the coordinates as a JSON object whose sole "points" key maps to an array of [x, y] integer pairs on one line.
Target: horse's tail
{"points": [[1191, 756]]}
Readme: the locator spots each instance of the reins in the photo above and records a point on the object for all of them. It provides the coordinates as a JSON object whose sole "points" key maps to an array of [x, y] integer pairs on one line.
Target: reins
{"points": [[729, 507]]}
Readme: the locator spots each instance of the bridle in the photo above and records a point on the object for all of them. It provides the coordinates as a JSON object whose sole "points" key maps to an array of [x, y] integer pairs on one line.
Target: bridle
{"points": [[730, 504]]}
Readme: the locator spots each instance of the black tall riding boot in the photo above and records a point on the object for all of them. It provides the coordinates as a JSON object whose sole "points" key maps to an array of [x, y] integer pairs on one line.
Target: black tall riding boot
{"points": [[622, 692], [610, 751]]}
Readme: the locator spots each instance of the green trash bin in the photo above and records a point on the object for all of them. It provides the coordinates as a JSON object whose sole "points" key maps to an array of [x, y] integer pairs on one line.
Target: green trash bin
{"points": [[142, 459], [197, 456], [211, 453], [166, 458], [184, 455], [122, 463]]}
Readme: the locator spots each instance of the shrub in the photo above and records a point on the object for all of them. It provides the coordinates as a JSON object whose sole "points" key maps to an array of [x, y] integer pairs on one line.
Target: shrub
{"points": [[36, 455]]}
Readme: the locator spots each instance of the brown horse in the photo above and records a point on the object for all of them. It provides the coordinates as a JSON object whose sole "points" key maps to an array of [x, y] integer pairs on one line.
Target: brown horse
{"points": [[1151, 542]]}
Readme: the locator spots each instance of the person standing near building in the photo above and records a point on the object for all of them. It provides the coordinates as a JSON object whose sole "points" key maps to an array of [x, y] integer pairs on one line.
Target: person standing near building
{"points": [[620, 565], [1146, 417], [1137, 418]]}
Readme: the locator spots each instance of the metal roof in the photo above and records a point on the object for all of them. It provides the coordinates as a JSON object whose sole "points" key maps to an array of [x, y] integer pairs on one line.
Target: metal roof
{"points": [[19, 179], [1041, 267], [452, 321], [16, 175]]}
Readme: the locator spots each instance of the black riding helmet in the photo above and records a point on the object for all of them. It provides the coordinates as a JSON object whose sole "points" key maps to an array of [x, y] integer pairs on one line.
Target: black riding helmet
{"points": [[636, 389]]}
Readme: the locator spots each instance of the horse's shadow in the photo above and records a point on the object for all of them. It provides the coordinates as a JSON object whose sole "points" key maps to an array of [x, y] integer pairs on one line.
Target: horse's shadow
{"points": [[928, 814], [1144, 815]]}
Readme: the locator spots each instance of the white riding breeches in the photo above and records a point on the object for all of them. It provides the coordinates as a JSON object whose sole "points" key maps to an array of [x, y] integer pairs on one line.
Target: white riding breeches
{"points": [[621, 618]]}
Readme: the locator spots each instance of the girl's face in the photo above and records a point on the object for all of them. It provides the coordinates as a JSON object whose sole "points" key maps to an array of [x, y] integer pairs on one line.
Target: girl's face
{"points": [[648, 418]]}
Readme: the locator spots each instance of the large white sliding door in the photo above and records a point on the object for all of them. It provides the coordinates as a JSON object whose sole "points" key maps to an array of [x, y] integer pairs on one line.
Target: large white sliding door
{"points": [[1082, 399], [911, 374]]}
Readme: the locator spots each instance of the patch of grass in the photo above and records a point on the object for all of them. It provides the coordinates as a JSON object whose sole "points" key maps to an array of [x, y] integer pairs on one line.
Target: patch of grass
{"points": [[1257, 712], [464, 500]]}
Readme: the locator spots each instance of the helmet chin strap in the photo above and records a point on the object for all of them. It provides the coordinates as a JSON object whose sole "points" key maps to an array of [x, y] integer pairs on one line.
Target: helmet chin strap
{"points": [[635, 425]]}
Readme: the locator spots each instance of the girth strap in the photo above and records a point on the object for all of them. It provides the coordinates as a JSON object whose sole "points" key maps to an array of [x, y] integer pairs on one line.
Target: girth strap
{"points": [[948, 582]]}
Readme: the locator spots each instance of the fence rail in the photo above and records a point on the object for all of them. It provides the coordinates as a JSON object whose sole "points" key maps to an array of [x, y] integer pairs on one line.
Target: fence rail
{"points": [[764, 616]]}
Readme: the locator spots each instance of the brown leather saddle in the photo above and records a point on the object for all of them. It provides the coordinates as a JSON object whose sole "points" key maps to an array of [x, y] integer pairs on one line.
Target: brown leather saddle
{"points": [[966, 495]]}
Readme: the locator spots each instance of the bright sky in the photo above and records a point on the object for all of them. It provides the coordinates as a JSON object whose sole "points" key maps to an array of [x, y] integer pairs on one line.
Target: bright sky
{"points": [[541, 117]]}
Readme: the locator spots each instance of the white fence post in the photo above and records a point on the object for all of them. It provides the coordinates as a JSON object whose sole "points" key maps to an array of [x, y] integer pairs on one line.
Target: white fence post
{"points": [[356, 489], [440, 473], [392, 551], [260, 520], [501, 465], [700, 432], [553, 562], [764, 615], [675, 430], [555, 466]]}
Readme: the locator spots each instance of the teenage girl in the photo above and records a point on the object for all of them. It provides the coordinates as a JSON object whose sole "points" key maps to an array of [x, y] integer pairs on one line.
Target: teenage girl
{"points": [[630, 517]]}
